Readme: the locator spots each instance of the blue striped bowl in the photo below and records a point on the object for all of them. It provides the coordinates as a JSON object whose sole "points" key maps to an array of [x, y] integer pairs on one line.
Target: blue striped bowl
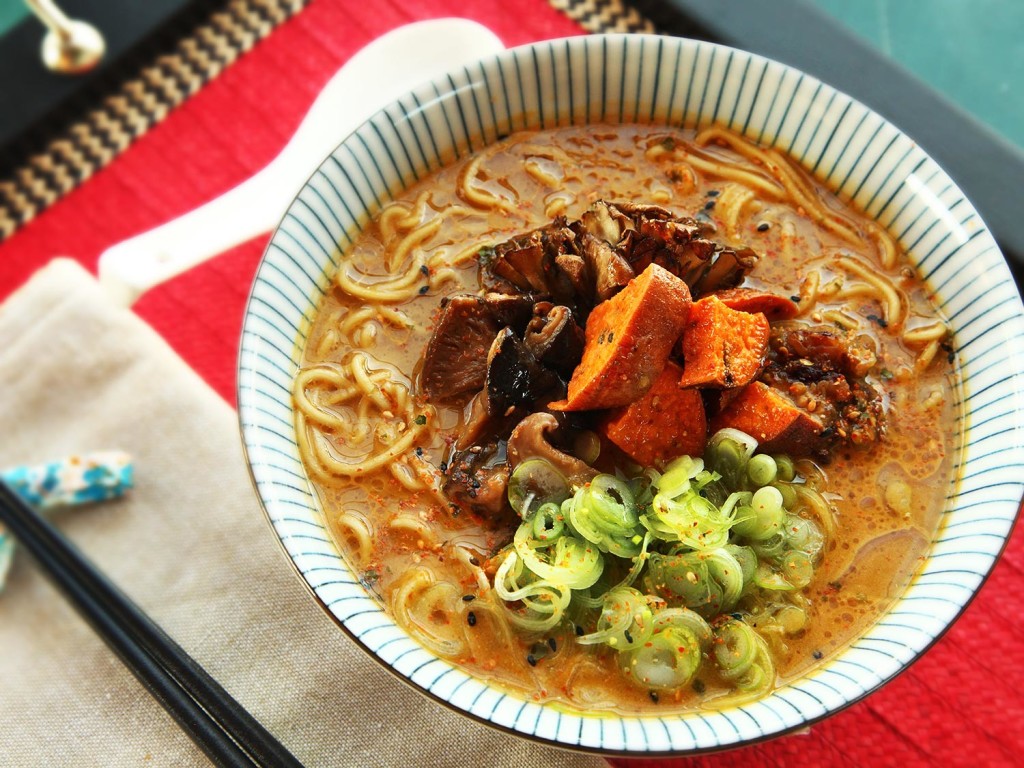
{"points": [[650, 79]]}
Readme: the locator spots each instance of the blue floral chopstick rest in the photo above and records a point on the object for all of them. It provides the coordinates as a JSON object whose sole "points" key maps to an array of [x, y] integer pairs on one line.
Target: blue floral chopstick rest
{"points": [[80, 479]]}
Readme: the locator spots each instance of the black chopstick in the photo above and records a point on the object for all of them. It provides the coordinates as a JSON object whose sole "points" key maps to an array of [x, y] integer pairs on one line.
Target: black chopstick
{"points": [[218, 724]]}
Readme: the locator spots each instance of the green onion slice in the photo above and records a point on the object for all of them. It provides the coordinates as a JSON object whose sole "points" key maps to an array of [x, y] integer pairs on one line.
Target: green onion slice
{"points": [[743, 656], [708, 582], [604, 512], [626, 620], [570, 563], [668, 660], [684, 618], [535, 482], [543, 603]]}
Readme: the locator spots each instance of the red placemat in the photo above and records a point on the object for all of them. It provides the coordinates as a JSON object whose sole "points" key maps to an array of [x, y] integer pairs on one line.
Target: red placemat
{"points": [[959, 706]]}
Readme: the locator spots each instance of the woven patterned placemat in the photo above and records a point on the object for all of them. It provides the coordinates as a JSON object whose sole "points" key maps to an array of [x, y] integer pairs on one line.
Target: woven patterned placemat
{"points": [[143, 100], [604, 15]]}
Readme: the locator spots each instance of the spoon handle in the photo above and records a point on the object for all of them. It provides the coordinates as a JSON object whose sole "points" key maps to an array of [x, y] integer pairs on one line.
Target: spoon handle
{"points": [[51, 15], [379, 73]]}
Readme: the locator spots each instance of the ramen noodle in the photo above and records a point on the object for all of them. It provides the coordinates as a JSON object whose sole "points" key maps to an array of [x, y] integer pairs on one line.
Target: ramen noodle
{"points": [[380, 426]]}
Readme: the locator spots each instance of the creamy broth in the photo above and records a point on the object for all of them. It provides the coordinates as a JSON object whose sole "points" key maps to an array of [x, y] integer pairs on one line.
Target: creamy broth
{"points": [[422, 557]]}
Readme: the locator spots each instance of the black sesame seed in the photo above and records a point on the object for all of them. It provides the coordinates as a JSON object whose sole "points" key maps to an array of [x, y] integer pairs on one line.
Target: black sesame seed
{"points": [[539, 651], [424, 270], [474, 561], [713, 193], [878, 321], [579, 630], [419, 451], [552, 644], [629, 637], [531, 660], [698, 686], [444, 466], [709, 205], [471, 618], [763, 226], [818, 654], [468, 598], [653, 695]]}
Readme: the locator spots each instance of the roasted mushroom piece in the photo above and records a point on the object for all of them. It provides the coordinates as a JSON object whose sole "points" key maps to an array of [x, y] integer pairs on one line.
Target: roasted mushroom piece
{"points": [[680, 245], [532, 438], [476, 480], [455, 361], [515, 377], [527, 262], [823, 373], [584, 262], [555, 338]]}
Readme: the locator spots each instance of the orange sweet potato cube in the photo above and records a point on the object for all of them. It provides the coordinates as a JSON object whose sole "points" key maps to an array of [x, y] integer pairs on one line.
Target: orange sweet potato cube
{"points": [[667, 422], [771, 305], [722, 347], [771, 418], [628, 341]]}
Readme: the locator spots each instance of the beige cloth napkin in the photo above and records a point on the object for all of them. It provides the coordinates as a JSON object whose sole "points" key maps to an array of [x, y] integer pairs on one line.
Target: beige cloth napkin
{"points": [[192, 547]]}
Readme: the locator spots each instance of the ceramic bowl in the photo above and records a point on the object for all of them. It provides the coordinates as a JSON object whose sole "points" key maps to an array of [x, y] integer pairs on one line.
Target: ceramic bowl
{"points": [[666, 80]]}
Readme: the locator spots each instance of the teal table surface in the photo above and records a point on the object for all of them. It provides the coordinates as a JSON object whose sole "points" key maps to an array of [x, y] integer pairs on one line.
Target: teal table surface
{"points": [[11, 12], [971, 51]]}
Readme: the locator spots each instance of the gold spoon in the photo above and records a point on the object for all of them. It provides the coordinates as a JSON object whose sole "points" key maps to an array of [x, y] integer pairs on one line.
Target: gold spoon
{"points": [[70, 46]]}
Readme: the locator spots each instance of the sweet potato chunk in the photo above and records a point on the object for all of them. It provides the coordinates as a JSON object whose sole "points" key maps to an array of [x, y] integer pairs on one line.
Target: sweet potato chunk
{"points": [[753, 300], [628, 341], [664, 424], [771, 418], [722, 347]]}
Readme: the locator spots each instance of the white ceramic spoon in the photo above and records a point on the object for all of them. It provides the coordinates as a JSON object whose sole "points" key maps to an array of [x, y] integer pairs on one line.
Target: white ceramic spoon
{"points": [[381, 72]]}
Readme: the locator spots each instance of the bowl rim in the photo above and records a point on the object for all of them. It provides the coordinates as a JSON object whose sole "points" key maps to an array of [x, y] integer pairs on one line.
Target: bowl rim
{"points": [[449, 91]]}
